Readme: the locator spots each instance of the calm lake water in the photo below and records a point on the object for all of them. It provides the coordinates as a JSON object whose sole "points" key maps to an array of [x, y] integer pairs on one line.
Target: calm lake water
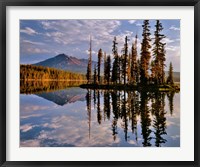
{"points": [[75, 117]]}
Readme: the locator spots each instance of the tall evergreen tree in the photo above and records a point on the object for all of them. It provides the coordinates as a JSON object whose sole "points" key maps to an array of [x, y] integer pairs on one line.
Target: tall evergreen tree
{"points": [[89, 67], [107, 70], [104, 78], [124, 60], [145, 53], [116, 63], [134, 61], [129, 69], [95, 74], [88, 74], [170, 79], [138, 71], [100, 55], [159, 54]]}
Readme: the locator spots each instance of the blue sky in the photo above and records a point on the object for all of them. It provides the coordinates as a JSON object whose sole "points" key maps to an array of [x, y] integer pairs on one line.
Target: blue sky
{"points": [[43, 39]]}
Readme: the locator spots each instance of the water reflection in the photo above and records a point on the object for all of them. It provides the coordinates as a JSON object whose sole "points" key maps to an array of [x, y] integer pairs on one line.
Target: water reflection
{"points": [[30, 87], [129, 107], [76, 117]]}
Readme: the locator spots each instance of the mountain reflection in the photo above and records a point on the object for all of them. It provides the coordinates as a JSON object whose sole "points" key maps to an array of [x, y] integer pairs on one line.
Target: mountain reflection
{"points": [[60, 93], [99, 118], [127, 108]]}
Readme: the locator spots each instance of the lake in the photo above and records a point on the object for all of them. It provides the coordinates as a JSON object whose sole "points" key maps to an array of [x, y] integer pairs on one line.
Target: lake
{"points": [[75, 117]]}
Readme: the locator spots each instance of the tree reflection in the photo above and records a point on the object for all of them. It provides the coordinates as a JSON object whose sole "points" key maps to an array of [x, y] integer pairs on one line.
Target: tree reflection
{"points": [[145, 119], [159, 122], [127, 110], [99, 114], [106, 105], [88, 101], [170, 96]]}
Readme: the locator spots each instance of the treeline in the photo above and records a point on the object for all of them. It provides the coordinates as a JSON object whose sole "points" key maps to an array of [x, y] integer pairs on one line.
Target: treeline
{"points": [[128, 67], [31, 72]]}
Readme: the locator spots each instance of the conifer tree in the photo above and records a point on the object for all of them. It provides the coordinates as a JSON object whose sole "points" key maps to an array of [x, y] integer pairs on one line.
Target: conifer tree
{"points": [[107, 70], [116, 63], [124, 60], [104, 78], [129, 69], [88, 74], [145, 53], [89, 67], [159, 54], [138, 71], [170, 79], [100, 55], [134, 61], [95, 74]]}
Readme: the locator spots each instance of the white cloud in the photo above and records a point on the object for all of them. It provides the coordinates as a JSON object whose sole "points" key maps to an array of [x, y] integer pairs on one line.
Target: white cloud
{"points": [[32, 42], [172, 48], [78, 31], [174, 28], [138, 24], [93, 52], [132, 21], [173, 55], [27, 127], [30, 143], [37, 50], [167, 40], [28, 31]]}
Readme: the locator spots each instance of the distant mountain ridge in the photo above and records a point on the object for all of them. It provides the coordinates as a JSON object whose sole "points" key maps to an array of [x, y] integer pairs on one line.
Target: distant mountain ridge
{"points": [[73, 64], [65, 62]]}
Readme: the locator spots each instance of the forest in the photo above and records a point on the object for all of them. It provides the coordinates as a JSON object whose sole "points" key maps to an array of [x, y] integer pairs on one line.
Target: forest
{"points": [[128, 69], [39, 73]]}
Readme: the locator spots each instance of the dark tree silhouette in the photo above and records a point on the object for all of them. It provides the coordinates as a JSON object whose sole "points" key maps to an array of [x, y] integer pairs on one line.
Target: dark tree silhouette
{"points": [[170, 78], [159, 122], [159, 55], [107, 70], [145, 120], [99, 114], [170, 96], [105, 59], [89, 67], [95, 74], [124, 60], [116, 63], [88, 101], [145, 53], [134, 65], [100, 55], [107, 105]]}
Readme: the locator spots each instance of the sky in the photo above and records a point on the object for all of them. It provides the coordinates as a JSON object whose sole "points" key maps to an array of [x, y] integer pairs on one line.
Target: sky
{"points": [[43, 39]]}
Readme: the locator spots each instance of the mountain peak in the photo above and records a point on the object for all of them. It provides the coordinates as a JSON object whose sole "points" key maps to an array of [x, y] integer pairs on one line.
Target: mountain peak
{"points": [[61, 56], [65, 62]]}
